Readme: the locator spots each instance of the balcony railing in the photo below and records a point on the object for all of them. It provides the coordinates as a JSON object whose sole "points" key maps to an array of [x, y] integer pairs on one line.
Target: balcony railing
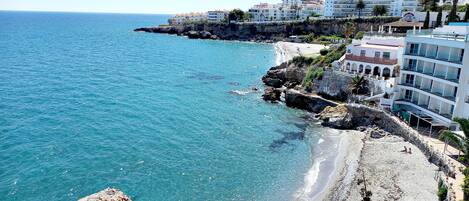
{"points": [[451, 98], [373, 60], [426, 107], [434, 56], [440, 76]]}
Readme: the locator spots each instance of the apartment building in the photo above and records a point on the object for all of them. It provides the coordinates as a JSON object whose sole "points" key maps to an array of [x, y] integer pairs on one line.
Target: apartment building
{"points": [[188, 17], [216, 15], [434, 79], [274, 12], [347, 8]]}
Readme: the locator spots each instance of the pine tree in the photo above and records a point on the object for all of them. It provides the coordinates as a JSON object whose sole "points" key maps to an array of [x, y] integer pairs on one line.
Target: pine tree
{"points": [[438, 17], [426, 23], [360, 6], [466, 15], [453, 15]]}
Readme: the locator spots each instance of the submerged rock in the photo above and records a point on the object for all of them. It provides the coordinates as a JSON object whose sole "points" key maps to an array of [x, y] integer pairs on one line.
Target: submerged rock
{"points": [[109, 194]]}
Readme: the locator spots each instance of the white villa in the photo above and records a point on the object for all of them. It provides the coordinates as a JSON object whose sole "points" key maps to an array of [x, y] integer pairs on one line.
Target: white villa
{"points": [[434, 79], [375, 56], [188, 17]]}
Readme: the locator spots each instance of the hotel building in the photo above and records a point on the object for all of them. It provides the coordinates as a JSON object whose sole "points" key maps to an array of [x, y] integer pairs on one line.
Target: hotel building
{"points": [[347, 8], [216, 15], [434, 79]]}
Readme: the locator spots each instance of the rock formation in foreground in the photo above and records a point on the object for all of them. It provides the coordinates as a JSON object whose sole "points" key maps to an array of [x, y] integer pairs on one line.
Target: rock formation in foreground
{"points": [[109, 194]]}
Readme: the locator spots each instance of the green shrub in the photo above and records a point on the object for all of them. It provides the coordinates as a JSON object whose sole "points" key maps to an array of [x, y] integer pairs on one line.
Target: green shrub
{"points": [[359, 35], [302, 60], [324, 52], [442, 191], [314, 73]]}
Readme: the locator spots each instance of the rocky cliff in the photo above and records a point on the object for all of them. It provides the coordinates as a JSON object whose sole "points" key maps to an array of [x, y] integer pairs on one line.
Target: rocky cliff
{"points": [[269, 32]]}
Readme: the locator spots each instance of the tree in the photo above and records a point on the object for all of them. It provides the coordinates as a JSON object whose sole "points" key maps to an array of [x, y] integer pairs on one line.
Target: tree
{"points": [[461, 141], [379, 10], [466, 14], [247, 16], [235, 15], [453, 15], [349, 30], [426, 23], [360, 6], [449, 137], [438, 17], [359, 84], [433, 6]]}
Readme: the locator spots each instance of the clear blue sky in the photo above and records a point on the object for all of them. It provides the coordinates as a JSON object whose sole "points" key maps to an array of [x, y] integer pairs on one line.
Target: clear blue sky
{"points": [[128, 6]]}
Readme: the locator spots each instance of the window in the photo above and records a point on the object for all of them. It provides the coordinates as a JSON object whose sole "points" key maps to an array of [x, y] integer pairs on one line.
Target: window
{"points": [[467, 99], [408, 94], [377, 54], [362, 53], [413, 48], [412, 64], [349, 51], [386, 55]]}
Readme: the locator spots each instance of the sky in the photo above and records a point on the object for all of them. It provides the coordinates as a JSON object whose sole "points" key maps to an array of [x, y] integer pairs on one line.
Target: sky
{"points": [[128, 6]]}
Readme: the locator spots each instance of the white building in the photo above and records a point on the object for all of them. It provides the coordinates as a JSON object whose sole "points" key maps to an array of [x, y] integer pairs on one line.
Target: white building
{"points": [[274, 12], [415, 16], [309, 9], [377, 57], [216, 15], [187, 18], [347, 8], [434, 79]]}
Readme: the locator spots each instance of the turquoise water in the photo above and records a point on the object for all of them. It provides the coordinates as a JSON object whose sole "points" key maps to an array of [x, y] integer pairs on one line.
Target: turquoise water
{"points": [[86, 103]]}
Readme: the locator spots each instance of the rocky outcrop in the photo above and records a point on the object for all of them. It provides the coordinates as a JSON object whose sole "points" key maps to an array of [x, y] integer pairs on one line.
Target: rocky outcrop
{"points": [[287, 74], [109, 194], [268, 32], [312, 103], [336, 117], [272, 94]]}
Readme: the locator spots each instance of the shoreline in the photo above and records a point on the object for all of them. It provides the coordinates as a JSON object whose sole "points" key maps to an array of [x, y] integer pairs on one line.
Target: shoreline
{"points": [[352, 159]]}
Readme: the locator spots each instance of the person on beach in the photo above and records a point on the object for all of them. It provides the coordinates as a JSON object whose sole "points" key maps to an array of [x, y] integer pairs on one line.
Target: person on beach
{"points": [[405, 149], [410, 150]]}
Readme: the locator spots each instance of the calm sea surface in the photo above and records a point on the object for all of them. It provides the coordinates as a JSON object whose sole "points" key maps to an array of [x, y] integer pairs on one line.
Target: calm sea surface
{"points": [[86, 103]]}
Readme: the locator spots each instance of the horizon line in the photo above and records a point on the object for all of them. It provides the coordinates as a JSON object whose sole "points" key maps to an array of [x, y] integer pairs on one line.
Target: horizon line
{"points": [[84, 12]]}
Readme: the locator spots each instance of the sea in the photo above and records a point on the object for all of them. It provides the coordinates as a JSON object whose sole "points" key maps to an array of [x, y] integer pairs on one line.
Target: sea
{"points": [[86, 103]]}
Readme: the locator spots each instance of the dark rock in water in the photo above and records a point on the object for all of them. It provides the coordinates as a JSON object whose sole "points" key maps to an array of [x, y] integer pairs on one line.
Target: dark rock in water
{"points": [[311, 103], [254, 89], [271, 94], [234, 83], [273, 82]]}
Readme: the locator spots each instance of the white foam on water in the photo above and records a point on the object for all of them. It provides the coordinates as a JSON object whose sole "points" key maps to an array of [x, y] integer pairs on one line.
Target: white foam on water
{"points": [[310, 180]]}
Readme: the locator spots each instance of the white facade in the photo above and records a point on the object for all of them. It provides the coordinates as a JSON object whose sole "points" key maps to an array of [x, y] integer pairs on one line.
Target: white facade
{"points": [[216, 16], [274, 12], [434, 77], [309, 9], [188, 17], [414, 16], [377, 57], [347, 8]]}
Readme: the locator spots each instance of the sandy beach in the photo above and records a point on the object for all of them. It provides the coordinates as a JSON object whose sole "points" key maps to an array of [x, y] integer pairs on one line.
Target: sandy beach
{"points": [[286, 50]]}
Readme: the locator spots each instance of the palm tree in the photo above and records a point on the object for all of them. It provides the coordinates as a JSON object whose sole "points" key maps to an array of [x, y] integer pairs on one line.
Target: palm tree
{"points": [[448, 136], [360, 6], [349, 29], [358, 84], [461, 141]]}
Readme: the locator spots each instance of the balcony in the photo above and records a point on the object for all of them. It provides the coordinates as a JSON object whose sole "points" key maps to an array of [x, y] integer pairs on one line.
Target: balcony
{"points": [[433, 56], [435, 112], [427, 90], [373, 60], [435, 75]]}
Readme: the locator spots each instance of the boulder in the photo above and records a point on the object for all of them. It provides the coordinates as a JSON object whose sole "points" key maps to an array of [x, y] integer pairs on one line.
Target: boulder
{"points": [[193, 34], [271, 94], [312, 103], [336, 117], [109, 194]]}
